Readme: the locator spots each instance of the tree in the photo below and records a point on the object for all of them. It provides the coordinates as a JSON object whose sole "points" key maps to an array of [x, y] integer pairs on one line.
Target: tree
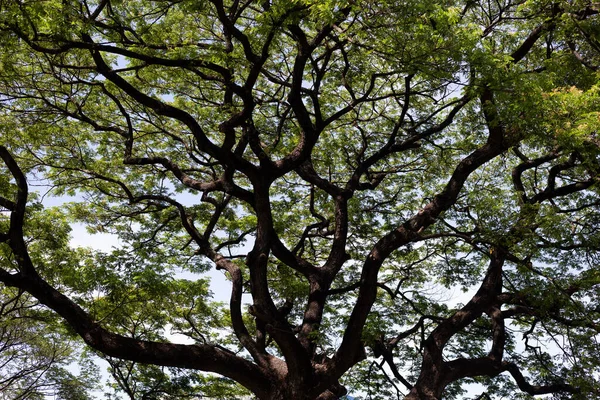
{"points": [[345, 163], [34, 365]]}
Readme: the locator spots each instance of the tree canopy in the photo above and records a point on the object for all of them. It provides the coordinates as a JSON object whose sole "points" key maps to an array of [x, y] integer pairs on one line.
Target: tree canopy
{"points": [[350, 166]]}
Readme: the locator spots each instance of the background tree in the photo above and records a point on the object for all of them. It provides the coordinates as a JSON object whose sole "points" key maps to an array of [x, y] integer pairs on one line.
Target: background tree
{"points": [[343, 162], [36, 357]]}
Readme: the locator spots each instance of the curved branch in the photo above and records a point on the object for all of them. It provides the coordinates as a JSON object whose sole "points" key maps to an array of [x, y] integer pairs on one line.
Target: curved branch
{"points": [[536, 389], [235, 304], [199, 356], [204, 143], [408, 232], [203, 357]]}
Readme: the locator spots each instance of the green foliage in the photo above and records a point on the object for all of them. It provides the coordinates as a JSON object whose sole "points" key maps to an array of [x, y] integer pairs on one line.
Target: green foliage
{"points": [[138, 381], [36, 356], [372, 176]]}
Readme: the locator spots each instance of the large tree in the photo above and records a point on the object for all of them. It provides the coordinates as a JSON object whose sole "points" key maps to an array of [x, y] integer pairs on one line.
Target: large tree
{"points": [[349, 165]]}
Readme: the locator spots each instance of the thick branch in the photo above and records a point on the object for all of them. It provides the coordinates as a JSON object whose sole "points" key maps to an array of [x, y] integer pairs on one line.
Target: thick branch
{"points": [[201, 356], [408, 232]]}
